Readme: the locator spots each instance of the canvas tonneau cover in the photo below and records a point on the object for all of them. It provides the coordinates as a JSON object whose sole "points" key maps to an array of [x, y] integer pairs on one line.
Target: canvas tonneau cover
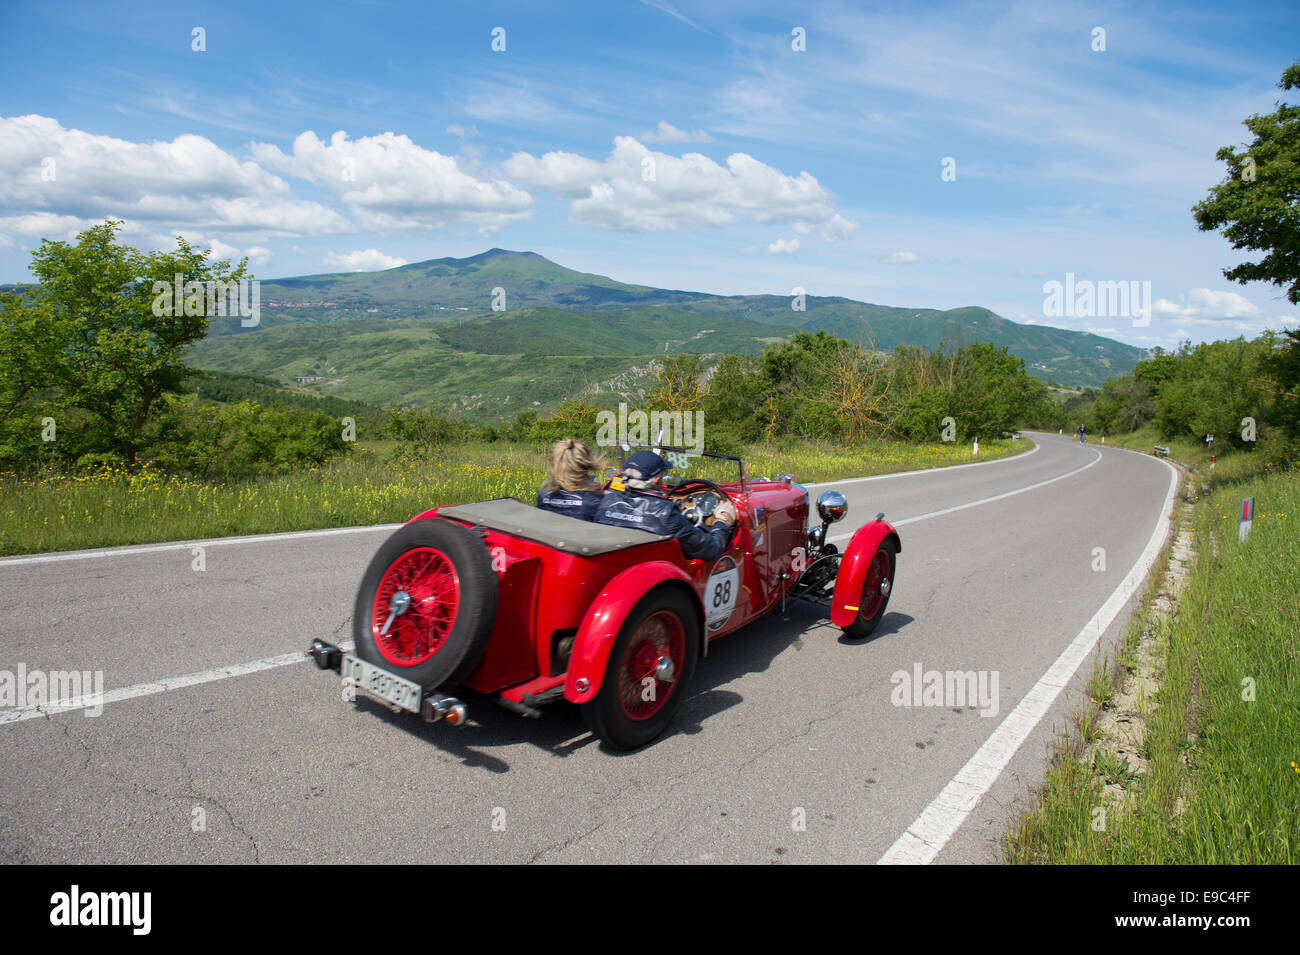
{"points": [[568, 534]]}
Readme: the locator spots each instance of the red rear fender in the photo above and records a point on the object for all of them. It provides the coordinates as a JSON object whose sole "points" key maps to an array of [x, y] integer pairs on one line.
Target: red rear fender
{"points": [[604, 619]]}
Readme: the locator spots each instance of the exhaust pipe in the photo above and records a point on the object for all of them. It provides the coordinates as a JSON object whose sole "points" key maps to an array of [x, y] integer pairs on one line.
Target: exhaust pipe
{"points": [[325, 655], [437, 707]]}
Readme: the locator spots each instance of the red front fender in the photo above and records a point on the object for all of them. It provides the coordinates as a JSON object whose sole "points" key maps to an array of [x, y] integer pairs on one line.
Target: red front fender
{"points": [[853, 569], [605, 617]]}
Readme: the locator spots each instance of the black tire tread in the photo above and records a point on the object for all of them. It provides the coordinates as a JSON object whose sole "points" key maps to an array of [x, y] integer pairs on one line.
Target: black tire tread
{"points": [[860, 629], [475, 615]]}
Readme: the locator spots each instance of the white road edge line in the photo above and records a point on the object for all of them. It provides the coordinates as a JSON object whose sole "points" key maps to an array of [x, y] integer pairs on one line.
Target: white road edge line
{"points": [[291, 535], [986, 500], [93, 701], [925, 838], [285, 659]]}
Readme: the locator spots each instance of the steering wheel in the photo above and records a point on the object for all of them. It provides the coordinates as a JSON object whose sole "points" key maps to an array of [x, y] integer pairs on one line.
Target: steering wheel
{"points": [[701, 504]]}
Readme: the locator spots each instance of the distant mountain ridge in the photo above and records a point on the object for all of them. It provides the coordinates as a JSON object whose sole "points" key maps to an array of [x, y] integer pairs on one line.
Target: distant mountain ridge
{"points": [[427, 332]]}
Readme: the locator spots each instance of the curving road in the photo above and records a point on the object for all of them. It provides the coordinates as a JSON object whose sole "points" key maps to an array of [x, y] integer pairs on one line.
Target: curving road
{"points": [[218, 745]]}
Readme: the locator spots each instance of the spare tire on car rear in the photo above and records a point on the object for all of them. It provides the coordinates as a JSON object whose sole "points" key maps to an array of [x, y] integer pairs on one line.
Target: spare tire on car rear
{"points": [[427, 603]]}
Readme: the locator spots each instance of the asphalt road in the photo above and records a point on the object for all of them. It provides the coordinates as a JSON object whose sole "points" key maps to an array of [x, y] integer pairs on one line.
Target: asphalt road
{"points": [[791, 745]]}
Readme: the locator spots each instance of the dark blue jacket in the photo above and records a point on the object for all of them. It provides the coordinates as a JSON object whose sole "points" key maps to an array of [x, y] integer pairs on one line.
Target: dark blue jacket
{"points": [[579, 504], [656, 514]]}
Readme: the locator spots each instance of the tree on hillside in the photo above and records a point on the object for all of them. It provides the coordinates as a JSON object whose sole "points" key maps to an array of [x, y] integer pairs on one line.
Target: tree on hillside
{"points": [[1258, 203], [89, 332], [792, 370], [854, 389], [1282, 365], [995, 393], [1215, 386], [737, 391], [679, 383], [1125, 403]]}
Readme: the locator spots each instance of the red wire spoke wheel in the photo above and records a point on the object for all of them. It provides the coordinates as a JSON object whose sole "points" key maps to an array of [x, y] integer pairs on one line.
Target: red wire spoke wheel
{"points": [[877, 573], [427, 603], [659, 642], [877, 585], [425, 581]]}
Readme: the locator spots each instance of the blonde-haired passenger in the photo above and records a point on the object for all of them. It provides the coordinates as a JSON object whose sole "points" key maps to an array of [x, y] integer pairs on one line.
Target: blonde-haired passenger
{"points": [[573, 486]]}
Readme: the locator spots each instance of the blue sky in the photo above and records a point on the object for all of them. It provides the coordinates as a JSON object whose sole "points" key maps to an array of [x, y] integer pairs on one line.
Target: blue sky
{"points": [[679, 145]]}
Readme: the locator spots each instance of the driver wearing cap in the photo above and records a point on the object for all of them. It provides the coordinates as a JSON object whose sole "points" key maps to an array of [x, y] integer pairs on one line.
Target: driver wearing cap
{"points": [[643, 505]]}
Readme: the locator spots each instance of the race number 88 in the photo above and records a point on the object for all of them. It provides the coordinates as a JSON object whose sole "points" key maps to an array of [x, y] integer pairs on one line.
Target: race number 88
{"points": [[722, 593]]}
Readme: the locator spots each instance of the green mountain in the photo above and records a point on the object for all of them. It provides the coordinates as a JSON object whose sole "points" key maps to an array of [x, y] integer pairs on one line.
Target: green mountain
{"points": [[427, 332]]}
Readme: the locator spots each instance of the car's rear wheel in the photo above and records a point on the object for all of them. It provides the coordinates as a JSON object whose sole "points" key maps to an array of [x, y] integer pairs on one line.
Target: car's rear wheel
{"points": [[427, 603], [876, 588], [649, 669]]}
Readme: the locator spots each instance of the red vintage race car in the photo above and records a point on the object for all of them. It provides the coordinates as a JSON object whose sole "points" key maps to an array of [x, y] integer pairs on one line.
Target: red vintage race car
{"points": [[531, 606]]}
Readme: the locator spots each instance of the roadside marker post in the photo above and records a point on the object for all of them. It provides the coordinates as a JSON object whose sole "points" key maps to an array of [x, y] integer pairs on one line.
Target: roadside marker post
{"points": [[1247, 519]]}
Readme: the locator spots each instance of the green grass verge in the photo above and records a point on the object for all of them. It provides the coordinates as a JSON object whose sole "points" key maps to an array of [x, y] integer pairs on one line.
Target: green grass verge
{"points": [[108, 507], [1222, 780]]}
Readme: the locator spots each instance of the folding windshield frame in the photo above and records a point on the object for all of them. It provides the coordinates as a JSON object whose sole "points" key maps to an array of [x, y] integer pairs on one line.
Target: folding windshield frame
{"points": [[660, 448]]}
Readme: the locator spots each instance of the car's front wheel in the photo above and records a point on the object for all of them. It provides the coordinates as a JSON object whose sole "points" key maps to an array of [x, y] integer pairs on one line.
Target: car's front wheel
{"points": [[649, 669], [876, 588]]}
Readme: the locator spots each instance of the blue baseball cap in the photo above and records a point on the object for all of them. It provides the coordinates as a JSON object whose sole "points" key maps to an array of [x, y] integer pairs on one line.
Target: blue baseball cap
{"points": [[649, 464]]}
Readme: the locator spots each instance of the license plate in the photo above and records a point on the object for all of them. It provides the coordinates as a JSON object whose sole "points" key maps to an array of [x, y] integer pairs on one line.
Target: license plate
{"points": [[381, 683]]}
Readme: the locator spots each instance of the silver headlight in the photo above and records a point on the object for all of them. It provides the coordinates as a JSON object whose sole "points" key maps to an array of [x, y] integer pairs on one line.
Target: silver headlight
{"points": [[832, 506]]}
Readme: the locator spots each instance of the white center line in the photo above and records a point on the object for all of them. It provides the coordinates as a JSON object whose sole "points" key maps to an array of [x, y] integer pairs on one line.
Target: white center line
{"points": [[985, 500]]}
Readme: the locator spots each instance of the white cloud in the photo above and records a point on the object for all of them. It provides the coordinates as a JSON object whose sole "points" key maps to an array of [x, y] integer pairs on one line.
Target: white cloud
{"points": [[783, 247], [838, 228], [901, 258], [1217, 313], [1204, 303], [462, 131], [673, 12], [362, 260], [565, 174], [189, 182], [507, 103], [44, 225], [390, 182], [668, 133], [256, 254], [637, 189]]}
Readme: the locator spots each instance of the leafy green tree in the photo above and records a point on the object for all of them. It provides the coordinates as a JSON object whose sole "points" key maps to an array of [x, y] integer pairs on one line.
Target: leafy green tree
{"points": [[1217, 384], [572, 418], [737, 393], [1124, 404], [420, 433], [994, 393], [679, 383], [1282, 367], [1258, 203], [793, 371], [89, 330], [241, 439]]}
